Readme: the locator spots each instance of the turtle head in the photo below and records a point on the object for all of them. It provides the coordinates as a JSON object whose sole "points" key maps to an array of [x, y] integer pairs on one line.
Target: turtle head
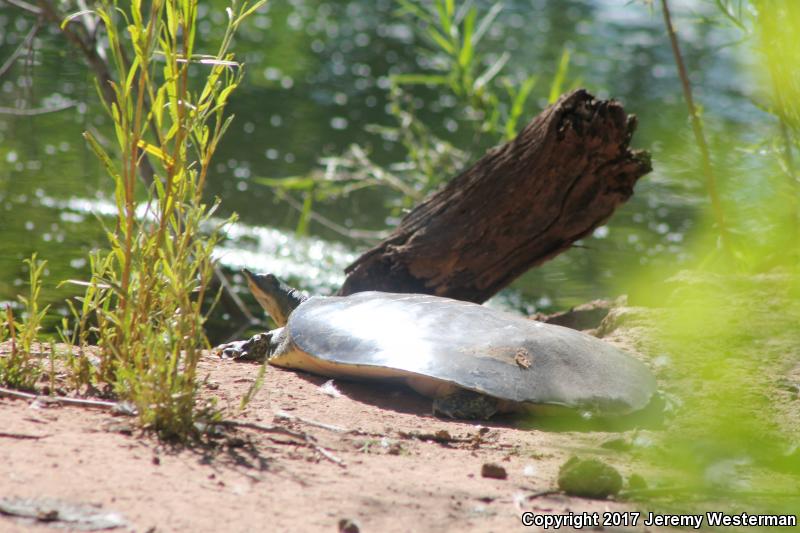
{"points": [[277, 298]]}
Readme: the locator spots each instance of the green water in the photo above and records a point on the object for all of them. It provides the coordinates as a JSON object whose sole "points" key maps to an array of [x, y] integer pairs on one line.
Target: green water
{"points": [[316, 78]]}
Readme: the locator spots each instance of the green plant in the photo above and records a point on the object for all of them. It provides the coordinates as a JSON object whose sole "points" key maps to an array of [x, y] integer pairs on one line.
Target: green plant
{"points": [[4, 332], [698, 130], [763, 230], [145, 300], [79, 332], [493, 106], [20, 369]]}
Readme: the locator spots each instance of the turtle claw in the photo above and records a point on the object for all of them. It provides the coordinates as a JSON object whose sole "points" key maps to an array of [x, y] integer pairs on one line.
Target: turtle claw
{"points": [[255, 348]]}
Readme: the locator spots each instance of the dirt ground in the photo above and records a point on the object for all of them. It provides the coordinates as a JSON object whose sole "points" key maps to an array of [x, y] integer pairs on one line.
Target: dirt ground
{"points": [[384, 463]]}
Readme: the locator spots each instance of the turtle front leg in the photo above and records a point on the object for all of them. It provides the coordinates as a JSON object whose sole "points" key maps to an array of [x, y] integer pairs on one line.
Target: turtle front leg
{"points": [[256, 348]]}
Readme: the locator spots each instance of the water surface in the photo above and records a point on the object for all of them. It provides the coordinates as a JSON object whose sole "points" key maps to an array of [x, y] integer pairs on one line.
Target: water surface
{"points": [[316, 78]]}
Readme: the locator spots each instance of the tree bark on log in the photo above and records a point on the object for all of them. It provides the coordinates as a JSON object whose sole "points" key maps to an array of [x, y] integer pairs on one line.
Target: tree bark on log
{"points": [[521, 204]]}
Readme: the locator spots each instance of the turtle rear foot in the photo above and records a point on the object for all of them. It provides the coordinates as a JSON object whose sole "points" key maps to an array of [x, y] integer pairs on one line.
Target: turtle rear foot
{"points": [[466, 404]]}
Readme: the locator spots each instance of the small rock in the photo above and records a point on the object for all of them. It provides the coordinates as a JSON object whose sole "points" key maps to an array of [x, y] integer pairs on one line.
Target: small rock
{"points": [[494, 471], [347, 525], [589, 478]]}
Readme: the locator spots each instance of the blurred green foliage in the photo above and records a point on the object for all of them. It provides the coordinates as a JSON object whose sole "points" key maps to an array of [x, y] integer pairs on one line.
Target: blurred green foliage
{"points": [[727, 336]]}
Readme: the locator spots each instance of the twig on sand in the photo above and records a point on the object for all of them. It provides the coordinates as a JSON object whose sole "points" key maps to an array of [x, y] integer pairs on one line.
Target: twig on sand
{"points": [[98, 404], [17, 394], [307, 439], [7, 435], [265, 428], [282, 415], [329, 456]]}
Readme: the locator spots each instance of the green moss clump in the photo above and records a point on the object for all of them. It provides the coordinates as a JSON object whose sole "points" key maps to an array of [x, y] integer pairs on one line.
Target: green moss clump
{"points": [[589, 478]]}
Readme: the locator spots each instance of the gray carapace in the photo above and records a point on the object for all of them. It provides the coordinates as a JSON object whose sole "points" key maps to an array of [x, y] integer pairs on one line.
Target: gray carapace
{"points": [[472, 360]]}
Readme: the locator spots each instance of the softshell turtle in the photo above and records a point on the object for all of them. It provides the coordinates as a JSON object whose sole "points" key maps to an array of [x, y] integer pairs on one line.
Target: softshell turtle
{"points": [[472, 360]]}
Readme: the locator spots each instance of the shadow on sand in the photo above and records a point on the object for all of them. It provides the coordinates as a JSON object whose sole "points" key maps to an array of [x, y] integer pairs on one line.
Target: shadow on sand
{"points": [[400, 398]]}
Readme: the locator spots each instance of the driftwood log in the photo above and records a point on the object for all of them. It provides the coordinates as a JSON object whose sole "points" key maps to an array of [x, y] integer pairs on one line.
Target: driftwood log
{"points": [[521, 204]]}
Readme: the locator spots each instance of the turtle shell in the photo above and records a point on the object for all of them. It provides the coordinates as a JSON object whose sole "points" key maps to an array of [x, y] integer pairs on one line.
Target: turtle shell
{"points": [[377, 334]]}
